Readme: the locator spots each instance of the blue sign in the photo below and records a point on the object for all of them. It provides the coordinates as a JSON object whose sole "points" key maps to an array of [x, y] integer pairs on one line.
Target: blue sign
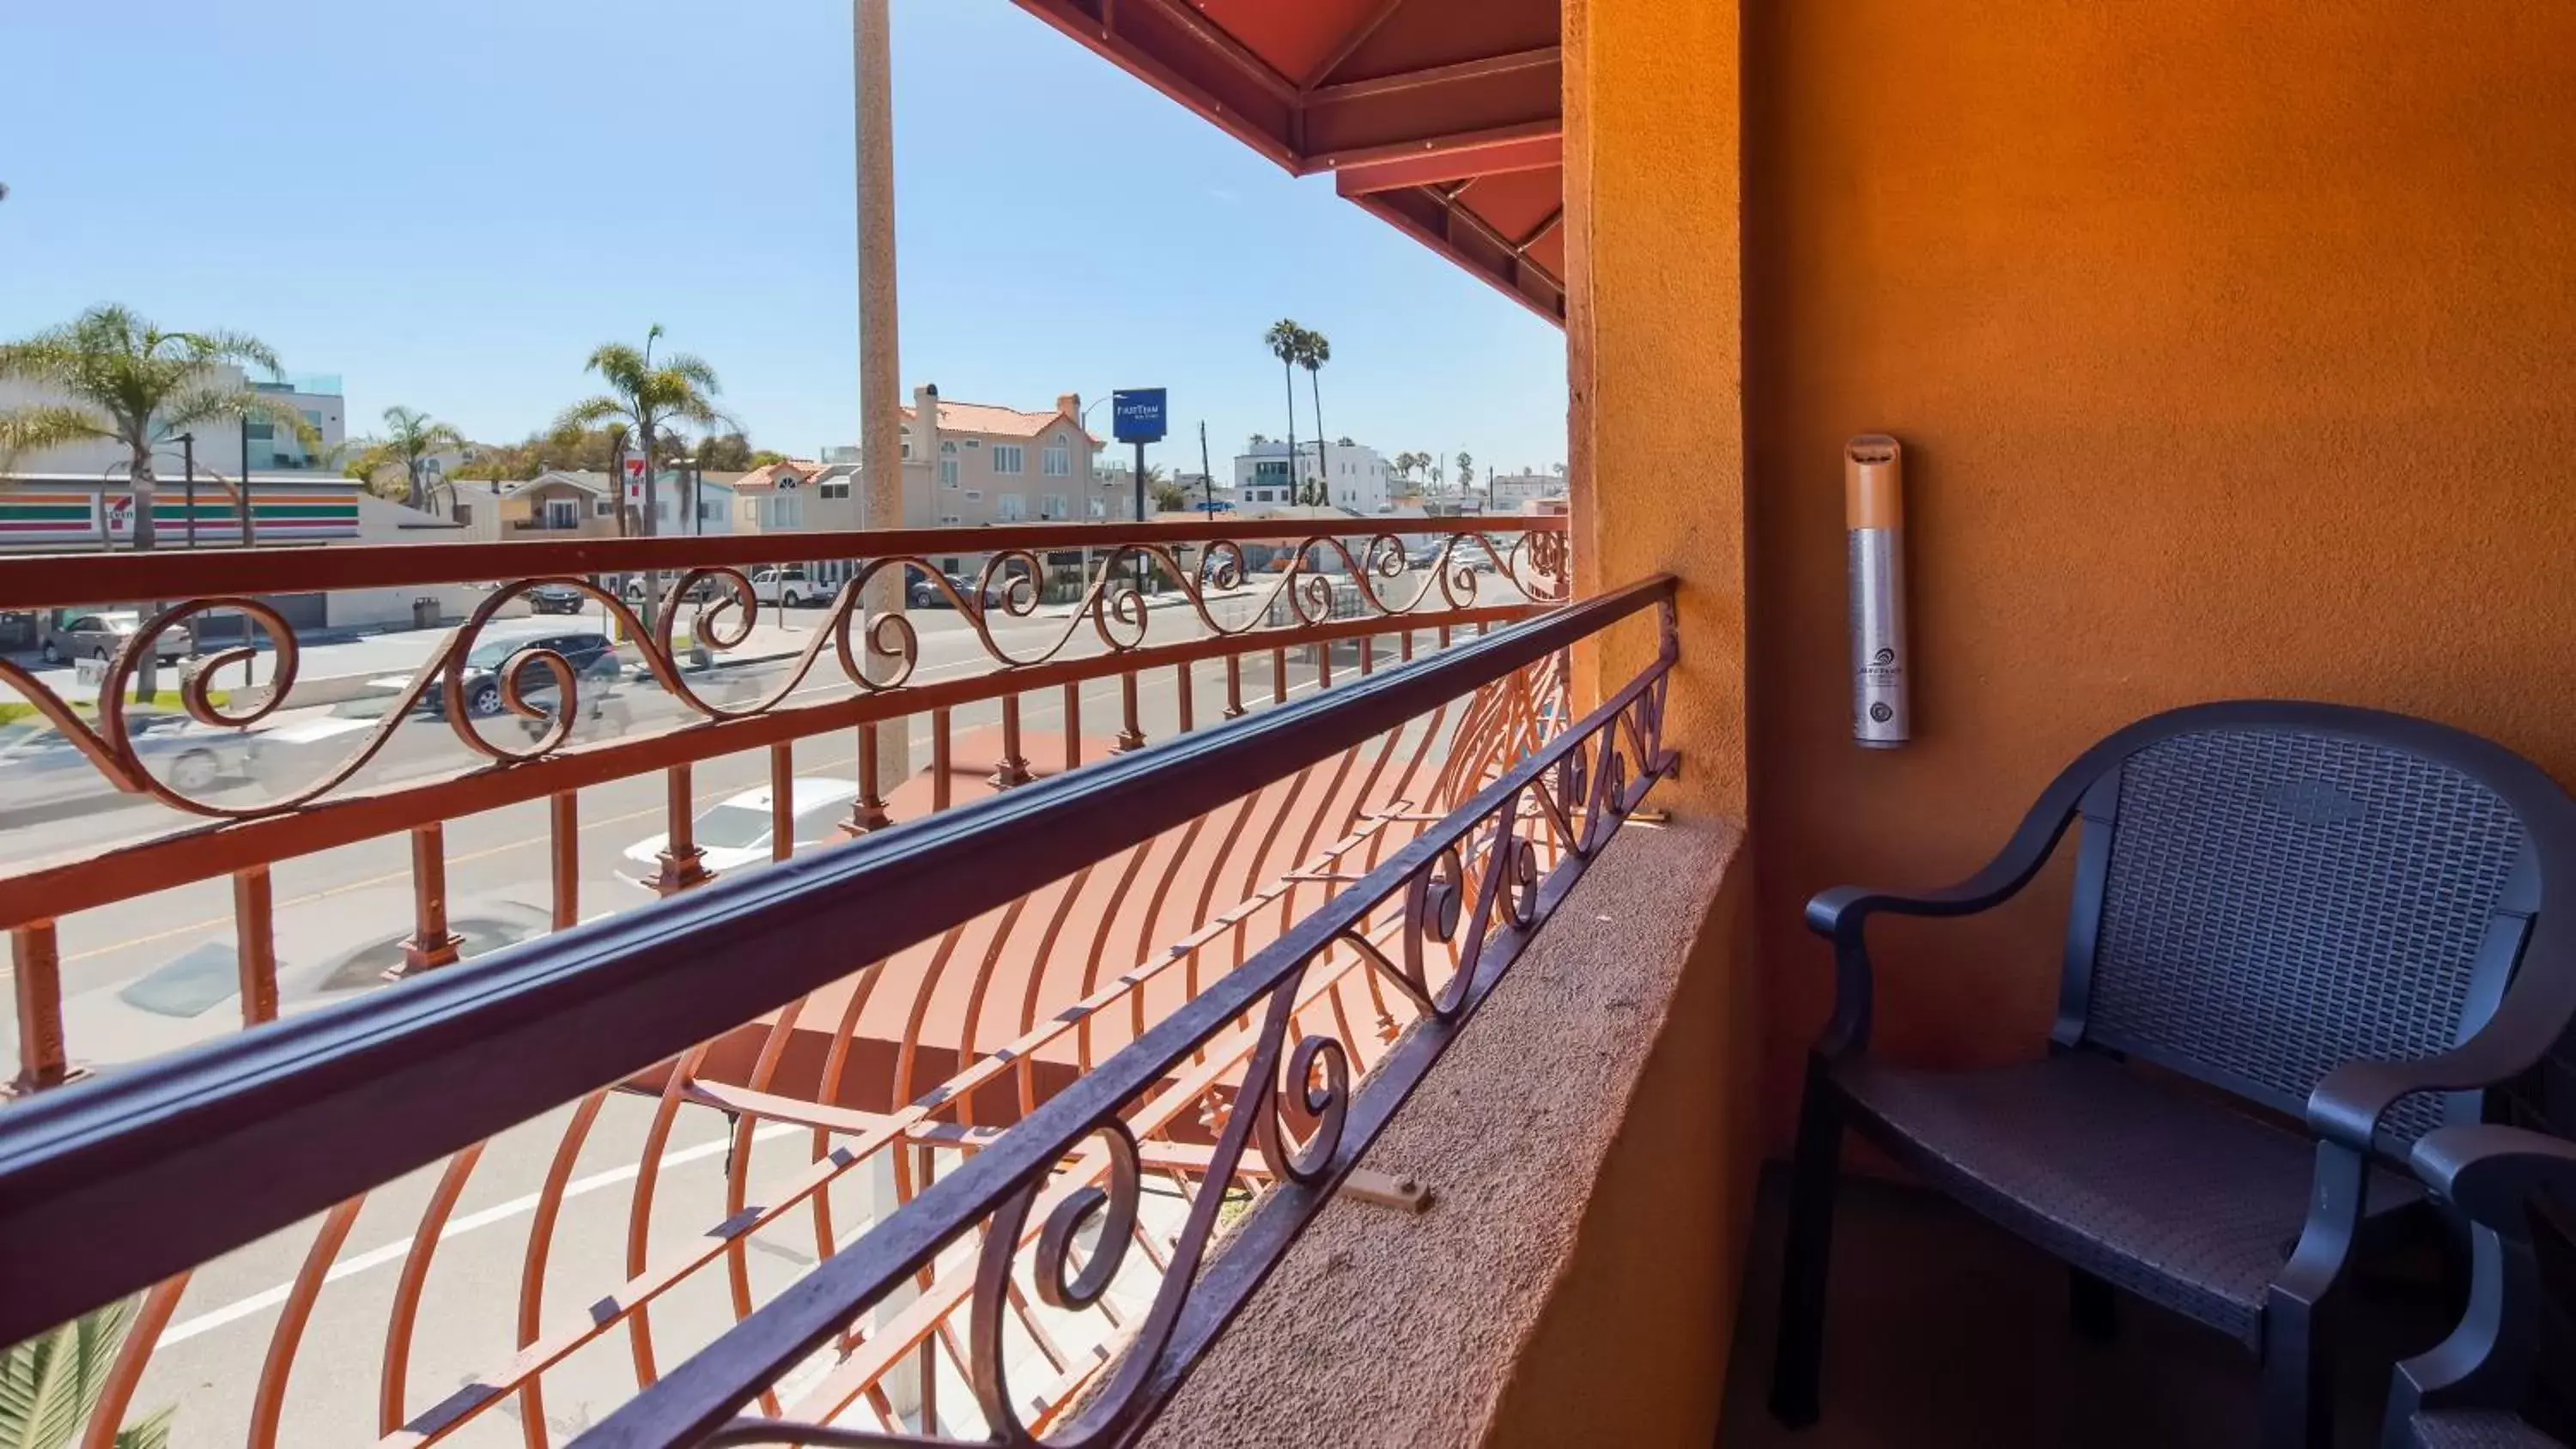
{"points": [[1137, 414]]}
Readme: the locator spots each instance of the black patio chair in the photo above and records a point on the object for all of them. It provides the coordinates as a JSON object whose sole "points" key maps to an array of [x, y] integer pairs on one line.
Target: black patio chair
{"points": [[2319, 912], [2469, 1392]]}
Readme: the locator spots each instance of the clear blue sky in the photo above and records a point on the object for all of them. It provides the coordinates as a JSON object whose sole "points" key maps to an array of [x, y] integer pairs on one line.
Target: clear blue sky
{"points": [[450, 204]]}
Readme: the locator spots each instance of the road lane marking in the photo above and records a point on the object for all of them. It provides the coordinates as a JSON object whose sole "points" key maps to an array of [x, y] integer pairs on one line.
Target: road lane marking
{"points": [[393, 1252]]}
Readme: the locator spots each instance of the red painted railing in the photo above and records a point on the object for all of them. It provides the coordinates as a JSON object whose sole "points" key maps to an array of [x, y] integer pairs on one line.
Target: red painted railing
{"points": [[1355, 869]]}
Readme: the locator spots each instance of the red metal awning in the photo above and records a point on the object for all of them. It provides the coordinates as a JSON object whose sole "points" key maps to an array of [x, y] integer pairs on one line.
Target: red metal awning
{"points": [[1444, 117]]}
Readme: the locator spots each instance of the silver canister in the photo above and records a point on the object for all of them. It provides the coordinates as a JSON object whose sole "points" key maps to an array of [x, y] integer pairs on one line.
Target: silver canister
{"points": [[1874, 519]]}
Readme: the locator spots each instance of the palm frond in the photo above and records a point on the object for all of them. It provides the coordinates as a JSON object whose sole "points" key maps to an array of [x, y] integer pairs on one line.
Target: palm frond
{"points": [[51, 356], [50, 1383], [620, 366], [34, 429], [150, 1432], [694, 370], [590, 413], [243, 348]]}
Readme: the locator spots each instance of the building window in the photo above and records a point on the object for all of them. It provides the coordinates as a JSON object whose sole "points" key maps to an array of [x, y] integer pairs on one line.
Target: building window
{"points": [[974, 442], [786, 510], [947, 472], [603, 509], [1056, 461], [1009, 458], [837, 488], [1099, 509], [1014, 507], [562, 513], [1052, 506], [950, 518], [710, 510], [259, 430]]}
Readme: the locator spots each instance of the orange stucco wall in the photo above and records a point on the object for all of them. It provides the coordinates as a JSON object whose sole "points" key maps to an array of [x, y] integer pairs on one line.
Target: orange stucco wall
{"points": [[2233, 346], [1654, 317]]}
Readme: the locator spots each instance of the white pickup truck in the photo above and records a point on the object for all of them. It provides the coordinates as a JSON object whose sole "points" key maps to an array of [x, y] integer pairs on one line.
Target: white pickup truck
{"points": [[788, 587]]}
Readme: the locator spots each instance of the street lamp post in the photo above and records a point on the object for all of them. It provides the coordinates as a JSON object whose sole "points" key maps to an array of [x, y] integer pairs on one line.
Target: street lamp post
{"points": [[188, 454]]}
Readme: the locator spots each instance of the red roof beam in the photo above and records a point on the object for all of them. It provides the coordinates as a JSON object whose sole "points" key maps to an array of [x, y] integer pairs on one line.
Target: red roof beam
{"points": [[1418, 167], [1507, 97], [1179, 54]]}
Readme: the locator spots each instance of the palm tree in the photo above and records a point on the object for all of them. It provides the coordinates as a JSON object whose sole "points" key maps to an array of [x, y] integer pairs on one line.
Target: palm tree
{"points": [[410, 440], [50, 1384], [1313, 351], [134, 385], [1466, 470], [1286, 341], [642, 402]]}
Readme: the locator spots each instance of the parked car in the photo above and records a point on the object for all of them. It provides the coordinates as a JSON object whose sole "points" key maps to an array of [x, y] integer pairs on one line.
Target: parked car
{"points": [[41, 770], [920, 591], [100, 636], [196, 995], [788, 588], [736, 833], [633, 589], [556, 599], [591, 654]]}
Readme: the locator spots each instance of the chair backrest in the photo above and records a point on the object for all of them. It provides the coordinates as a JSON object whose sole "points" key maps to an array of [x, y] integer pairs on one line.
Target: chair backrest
{"points": [[2275, 900]]}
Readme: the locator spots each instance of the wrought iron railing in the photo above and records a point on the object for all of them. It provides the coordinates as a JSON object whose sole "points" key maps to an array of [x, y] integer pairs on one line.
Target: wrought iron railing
{"points": [[264, 1130], [1361, 949], [855, 674]]}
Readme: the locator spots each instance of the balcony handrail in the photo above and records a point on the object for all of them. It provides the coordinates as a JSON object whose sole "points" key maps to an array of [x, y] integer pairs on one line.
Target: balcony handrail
{"points": [[40, 581], [298, 1116], [207, 852]]}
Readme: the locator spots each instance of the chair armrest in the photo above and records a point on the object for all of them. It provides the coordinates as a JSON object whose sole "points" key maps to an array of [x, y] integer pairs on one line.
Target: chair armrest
{"points": [[2490, 1171], [2350, 1099], [1842, 912]]}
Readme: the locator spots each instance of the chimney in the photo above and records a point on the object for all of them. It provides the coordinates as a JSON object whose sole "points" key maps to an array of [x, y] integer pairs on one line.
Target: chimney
{"points": [[1069, 404], [925, 425]]}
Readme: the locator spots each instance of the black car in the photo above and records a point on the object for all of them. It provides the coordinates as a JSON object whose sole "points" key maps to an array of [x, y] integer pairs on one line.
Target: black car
{"points": [[591, 655], [556, 599]]}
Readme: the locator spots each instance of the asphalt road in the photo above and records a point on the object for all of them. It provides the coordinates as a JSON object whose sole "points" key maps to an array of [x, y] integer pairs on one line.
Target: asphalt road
{"points": [[343, 901]]}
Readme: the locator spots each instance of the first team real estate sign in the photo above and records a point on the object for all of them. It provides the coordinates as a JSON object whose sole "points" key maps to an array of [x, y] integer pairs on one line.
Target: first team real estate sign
{"points": [[1137, 414]]}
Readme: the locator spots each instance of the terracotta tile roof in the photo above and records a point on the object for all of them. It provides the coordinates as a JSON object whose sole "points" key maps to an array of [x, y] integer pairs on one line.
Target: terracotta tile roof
{"points": [[993, 421], [764, 479]]}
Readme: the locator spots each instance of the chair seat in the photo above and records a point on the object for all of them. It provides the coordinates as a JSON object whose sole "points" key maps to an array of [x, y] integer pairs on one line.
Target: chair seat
{"points": [[2476, 1429], [2161, 1191]]}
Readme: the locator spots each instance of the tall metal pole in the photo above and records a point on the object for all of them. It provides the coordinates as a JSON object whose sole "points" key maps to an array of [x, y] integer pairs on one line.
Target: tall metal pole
{"points": [[188, 455], [1140, 511], [1207, 475], [880, 358]]}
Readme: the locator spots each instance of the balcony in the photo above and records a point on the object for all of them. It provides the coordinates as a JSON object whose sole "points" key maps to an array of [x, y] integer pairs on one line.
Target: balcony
{"points": [[1299, 835], [1278, 1019]]}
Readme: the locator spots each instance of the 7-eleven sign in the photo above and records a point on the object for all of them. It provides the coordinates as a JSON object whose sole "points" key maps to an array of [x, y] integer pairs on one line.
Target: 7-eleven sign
{"points": [[635, 481]]}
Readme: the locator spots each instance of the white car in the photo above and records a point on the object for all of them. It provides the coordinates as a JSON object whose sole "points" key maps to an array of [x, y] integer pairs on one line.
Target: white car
{"points": [[736, 833], [196, 995], [788, 588]]}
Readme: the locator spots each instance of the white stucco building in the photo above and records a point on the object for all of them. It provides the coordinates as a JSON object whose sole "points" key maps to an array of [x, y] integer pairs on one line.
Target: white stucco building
{"points": [[220, 445], [1355, 475]]}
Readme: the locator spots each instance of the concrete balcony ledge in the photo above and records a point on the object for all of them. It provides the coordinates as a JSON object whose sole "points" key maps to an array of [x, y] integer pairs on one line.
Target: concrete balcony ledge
{"points": [[1590, 1150]]}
